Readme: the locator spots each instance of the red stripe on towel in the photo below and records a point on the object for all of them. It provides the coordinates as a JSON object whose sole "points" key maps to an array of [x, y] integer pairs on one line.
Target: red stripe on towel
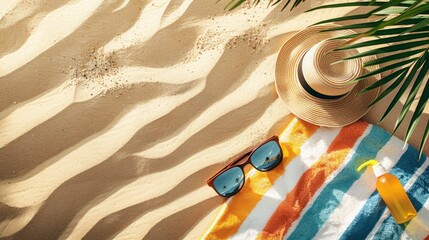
{"points": [[290, 209]]}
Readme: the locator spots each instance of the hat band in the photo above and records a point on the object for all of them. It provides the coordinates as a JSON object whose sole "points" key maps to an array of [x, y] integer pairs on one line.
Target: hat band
{"points": [[310, 90]]}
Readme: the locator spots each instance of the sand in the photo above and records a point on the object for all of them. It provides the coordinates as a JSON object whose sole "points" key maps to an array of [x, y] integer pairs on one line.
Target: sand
{"points": [[114, 113]]}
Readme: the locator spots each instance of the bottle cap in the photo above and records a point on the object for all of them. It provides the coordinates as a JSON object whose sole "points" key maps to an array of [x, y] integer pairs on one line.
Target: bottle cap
{"points": [[376, 167]]}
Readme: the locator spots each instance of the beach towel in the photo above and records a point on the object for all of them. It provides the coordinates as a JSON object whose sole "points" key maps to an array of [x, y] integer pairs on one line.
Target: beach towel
{"points": [[317, 193]]}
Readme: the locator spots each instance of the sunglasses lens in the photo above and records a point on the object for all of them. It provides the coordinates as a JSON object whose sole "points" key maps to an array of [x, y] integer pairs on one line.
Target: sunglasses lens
{"points": [[229, 182], [267, 156]]}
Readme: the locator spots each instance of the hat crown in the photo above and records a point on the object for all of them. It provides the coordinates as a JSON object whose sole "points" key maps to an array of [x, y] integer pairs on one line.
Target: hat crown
{"points": [[311, 45], [324, 74]]}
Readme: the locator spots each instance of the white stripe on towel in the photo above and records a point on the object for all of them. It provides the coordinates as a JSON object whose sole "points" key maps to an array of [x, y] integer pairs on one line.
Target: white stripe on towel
{"points": [[344, 214], [310, 152]]}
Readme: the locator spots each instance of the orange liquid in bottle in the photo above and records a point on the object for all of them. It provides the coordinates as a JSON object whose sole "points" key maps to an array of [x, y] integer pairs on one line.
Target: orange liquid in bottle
{"points": [[395, 197]]}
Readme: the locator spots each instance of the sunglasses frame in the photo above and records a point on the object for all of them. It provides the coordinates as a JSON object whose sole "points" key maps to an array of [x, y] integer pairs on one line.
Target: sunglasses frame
{"points": [[236, 163]]}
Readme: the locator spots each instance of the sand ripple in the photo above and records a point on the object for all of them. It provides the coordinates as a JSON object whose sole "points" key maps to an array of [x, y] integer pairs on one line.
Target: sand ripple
{"points": [[88, 152]]}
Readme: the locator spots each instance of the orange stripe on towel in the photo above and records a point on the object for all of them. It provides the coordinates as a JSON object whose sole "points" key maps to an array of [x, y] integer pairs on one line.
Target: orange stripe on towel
{"points": [[240, 206], [289, 210]]}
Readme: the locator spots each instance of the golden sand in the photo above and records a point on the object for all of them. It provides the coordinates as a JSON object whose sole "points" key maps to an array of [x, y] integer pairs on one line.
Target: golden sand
{"points": [[114, 113]]}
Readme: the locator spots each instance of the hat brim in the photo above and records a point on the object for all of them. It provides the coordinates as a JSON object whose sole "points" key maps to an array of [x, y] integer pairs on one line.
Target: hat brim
{"points": [[323, 112]]}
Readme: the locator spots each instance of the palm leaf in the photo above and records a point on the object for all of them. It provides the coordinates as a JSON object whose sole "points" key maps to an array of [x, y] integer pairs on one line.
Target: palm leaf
{"points": [[345, 18], [391, 3], [388, 40], [418, 26], [413, 93], [388, 90], [410, 21], [418, 113], [404, 87], [353, 4], [392, 48], [393, 57], [401, 37], [424, 139], [232, 4], [402, 29], [385, 32], [287, 3], [406, 14], [353, 26], [401, 64], [297, 2], [384, 80]]}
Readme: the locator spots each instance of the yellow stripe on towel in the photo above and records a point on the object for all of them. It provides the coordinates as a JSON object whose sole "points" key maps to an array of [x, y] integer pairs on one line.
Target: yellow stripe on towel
{"points": [[239, 207]]}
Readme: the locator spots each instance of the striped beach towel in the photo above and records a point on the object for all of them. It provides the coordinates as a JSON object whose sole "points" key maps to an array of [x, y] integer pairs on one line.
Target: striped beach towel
{"points": [[317, 193]]}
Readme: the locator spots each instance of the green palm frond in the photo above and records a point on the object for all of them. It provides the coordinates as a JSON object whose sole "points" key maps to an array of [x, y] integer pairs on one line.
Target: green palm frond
{"points": [[398, 33], [235, 3], [400, 37]]}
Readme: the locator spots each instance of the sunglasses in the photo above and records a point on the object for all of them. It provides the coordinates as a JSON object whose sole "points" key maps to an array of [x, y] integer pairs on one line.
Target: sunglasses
{"points": [[230, 179]]}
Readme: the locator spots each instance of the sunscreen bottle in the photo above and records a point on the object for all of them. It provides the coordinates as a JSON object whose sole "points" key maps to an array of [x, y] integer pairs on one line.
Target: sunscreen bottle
{"points": [[392, 193]]}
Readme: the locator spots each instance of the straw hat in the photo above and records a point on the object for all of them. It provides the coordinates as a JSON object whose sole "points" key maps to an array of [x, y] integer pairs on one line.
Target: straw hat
{"points": [[315, 89]]}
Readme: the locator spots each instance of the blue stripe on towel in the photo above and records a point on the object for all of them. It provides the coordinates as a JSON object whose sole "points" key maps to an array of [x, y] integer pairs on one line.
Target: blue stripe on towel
{"points": [[333, 192], [374, 207], [418, 194]]}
